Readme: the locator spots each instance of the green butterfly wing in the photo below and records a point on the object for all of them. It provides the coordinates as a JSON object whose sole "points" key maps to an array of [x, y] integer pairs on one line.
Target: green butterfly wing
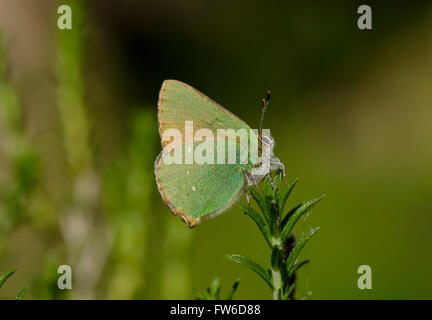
{"points": [[193, 191], [179, 102]]}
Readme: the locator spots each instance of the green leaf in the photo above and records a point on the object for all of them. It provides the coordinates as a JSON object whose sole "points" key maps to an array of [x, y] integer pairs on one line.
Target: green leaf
{"points": [[203, 295], [288, 215], [285, 194], [21, 294], [233, 289], [267, 267], [198, 295], [299, 246], [288, 292], [268, 188], [276, 258], [296, 216], [274, 218], [276, 182], [6, 276], [261, 202], [296, 267], [284, 274], [270, 201], [215, 288], [258, 220], [253, 266]]}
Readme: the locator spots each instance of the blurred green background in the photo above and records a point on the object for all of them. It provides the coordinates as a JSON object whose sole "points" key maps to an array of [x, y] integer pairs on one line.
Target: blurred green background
{"points": [[351, 114]]}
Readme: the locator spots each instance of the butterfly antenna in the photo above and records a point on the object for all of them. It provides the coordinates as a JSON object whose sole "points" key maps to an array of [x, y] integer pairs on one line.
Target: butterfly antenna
{"points": [[265, 103]]}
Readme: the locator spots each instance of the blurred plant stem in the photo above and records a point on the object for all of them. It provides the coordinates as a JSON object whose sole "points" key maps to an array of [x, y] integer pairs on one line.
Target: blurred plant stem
{"points": [[108, 221], [126, 200], [82, 224], [19, 162]]}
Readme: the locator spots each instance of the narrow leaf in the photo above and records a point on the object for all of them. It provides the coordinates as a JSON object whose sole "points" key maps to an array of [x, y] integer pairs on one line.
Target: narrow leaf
{"points": [[285, 194], [207, 295], [198, 295], [255, 216], [288, 215], [6, 276], [299, 246], [276, 182], [288, 292], [284, 274], [268, 188], [276, 258], [274, 217], [233, 289], [267, 267], [253, 266], [296, 216], [21, 294], [215, 288], [261, 202]]}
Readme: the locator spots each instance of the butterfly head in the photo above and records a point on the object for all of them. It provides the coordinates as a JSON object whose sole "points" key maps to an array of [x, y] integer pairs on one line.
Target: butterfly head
{"points": [[268, 141]]}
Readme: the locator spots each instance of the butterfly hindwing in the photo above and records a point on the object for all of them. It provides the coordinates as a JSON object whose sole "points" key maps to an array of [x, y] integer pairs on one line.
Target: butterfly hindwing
{"points": [[193, 191]]}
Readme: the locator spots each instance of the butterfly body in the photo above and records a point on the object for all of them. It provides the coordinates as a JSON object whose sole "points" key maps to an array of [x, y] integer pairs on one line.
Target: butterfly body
{"points": [[194, 190]]}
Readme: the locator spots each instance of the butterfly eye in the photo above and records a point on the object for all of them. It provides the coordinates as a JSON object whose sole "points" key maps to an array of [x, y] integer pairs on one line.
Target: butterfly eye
{"points": [[265, 139]]}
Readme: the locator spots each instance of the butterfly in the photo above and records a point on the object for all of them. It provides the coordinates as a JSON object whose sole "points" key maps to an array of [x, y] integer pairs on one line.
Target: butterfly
{"points": [[196, 190]]}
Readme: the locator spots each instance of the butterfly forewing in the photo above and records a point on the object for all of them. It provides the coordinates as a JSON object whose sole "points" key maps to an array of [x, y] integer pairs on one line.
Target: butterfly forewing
{"points": [[179, 102]]}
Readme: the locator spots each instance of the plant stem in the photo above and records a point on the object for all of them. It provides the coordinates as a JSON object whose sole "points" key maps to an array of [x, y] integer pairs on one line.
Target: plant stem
{"points": [[276, 274], [277, 283], [280, 273]]}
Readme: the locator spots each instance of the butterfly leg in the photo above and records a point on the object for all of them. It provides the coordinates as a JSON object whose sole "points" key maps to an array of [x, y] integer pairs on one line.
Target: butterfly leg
{"points": [[283, 173], [249, 181], [247, 197]]}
